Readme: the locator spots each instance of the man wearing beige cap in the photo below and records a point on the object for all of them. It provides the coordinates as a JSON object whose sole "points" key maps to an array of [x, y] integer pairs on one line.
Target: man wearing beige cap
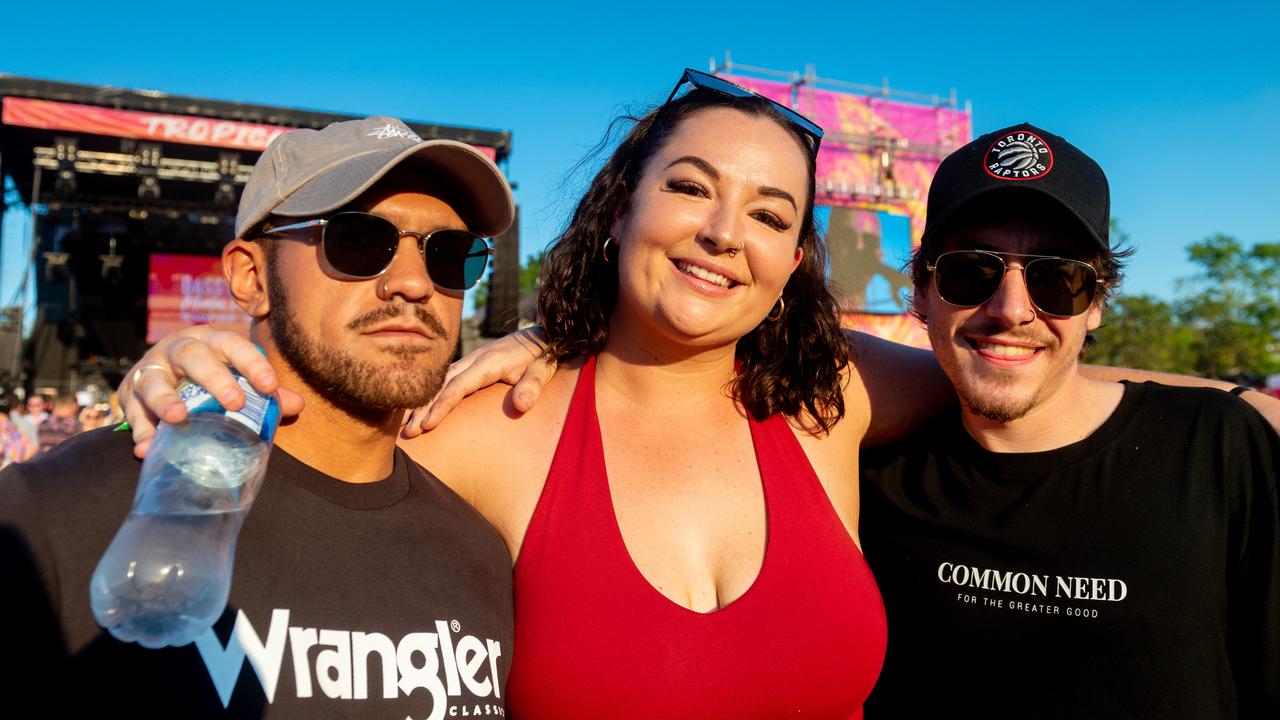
{"points": [[363, 587]]}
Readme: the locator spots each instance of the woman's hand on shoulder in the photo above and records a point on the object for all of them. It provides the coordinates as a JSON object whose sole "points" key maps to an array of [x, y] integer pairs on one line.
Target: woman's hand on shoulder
{"points": [[148, 394], [519, 359]]}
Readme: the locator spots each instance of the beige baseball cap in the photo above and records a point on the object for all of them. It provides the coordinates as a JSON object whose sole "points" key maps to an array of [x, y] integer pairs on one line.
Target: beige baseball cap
{"points": [[305, 173]]}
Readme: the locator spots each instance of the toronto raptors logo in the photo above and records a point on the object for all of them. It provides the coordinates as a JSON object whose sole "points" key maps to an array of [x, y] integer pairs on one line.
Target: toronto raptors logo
{"points": [[1019, 155]]}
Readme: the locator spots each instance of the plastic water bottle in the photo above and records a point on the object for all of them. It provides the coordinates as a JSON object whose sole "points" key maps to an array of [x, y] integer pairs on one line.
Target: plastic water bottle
{"points": [[165, 578]]}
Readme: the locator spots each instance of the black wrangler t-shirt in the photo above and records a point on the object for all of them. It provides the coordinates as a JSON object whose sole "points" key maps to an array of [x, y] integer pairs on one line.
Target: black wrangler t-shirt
{"points": [[1133, 574], [382, 601]]}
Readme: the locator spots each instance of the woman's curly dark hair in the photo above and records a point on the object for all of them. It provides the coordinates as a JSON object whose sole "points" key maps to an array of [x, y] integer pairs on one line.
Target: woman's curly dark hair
{"points": [[792, 365]]}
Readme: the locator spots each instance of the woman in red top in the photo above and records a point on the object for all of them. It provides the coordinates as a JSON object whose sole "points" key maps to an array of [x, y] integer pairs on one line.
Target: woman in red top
{"points": [[681, 512]]}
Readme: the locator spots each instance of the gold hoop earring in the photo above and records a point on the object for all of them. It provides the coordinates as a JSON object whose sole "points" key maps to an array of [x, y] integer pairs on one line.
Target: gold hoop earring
{"points": [[604, 249], [775, 314]]}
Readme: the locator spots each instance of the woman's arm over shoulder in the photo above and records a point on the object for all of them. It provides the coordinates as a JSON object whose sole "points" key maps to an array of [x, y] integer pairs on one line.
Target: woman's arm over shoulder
{"points": [[519, 359], [902, 386]]}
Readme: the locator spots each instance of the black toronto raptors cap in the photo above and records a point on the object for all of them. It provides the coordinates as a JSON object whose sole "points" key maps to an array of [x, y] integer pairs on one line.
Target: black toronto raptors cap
{"points": [[1027, 159]]}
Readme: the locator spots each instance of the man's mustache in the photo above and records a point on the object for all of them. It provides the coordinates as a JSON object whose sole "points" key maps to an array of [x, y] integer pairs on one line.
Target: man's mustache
{"points": [[398, 310], [999, 330]]}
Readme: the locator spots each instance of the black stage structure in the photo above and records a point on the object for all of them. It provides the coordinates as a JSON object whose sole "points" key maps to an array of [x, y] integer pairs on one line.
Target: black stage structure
{"points": [[113, 175]]}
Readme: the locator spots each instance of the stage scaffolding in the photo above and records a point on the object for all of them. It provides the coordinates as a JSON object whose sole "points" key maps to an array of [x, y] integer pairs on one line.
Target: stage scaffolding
{"points": [[884, 143]]}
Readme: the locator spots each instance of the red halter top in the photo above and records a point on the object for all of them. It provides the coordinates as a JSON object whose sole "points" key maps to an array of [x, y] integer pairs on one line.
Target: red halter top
{"points": [[595, 640]]}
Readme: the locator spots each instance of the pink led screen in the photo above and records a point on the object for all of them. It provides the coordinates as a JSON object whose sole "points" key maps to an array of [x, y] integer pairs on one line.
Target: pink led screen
{"points": [[189, 290]]}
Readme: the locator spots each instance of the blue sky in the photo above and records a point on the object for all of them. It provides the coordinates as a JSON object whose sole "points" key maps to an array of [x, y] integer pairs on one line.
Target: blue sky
{"points": [[1179, 102]]}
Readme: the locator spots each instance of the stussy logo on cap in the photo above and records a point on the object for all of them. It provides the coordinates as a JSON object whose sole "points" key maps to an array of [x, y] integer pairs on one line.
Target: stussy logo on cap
{"points": [[391, 131], [1019, 155]]}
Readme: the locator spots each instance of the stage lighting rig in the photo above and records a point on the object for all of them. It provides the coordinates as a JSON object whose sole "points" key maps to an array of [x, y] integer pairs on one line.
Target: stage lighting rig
{"points": [[57, 266], [11, 319], [149, 154], [225, 196], [66, 150], [64, 184], [148, 159], [228, 166], [886, 165], [112, 264], [149, 189]]}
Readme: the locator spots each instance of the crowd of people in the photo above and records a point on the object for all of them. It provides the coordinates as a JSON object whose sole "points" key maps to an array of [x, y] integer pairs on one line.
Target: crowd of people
{"points": [[36, 424]]}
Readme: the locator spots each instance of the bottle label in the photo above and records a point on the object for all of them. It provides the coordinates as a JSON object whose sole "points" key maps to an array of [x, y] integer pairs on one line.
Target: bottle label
{"points": [[261, 413]]}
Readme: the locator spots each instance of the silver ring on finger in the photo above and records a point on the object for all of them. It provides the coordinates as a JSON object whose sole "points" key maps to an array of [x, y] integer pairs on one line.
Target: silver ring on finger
{"points": [[137, 373]]}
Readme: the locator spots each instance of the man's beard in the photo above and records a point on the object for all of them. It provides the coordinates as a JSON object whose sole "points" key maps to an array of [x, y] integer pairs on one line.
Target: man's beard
{"points": [[363, 389], [988, 392], [999, 404]]}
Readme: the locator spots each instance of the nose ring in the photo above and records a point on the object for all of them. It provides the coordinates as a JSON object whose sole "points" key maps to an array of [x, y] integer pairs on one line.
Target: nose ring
{"points": [[733, 252]]}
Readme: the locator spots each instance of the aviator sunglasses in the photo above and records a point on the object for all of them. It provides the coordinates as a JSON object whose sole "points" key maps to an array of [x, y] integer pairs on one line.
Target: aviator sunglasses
{"points": [[361, 245], [706, 81], [1057, 286]]}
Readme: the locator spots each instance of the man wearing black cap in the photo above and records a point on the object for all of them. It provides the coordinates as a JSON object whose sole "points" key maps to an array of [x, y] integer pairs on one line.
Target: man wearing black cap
{"points": [[363, 587], [1059, 546]]}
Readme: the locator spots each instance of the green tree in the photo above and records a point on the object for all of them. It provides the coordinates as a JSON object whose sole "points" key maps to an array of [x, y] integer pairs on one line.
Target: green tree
{"points": [[1235, 307], [1225, 320], [529, 273], [1142, 331]]}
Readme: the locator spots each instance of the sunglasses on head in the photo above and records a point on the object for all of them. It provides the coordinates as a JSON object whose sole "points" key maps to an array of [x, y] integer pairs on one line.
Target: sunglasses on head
{"points": [[1057, 286], [361, 245], [706, 81]]}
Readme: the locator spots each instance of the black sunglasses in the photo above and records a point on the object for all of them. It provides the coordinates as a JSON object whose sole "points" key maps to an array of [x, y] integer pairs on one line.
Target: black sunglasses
{"points": [[706, 81], [1057, 286], [361, 245]]}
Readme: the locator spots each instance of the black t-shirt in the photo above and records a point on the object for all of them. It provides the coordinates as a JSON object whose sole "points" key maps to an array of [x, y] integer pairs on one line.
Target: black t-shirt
{"points": [[381, 600], [1135, 573]]}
